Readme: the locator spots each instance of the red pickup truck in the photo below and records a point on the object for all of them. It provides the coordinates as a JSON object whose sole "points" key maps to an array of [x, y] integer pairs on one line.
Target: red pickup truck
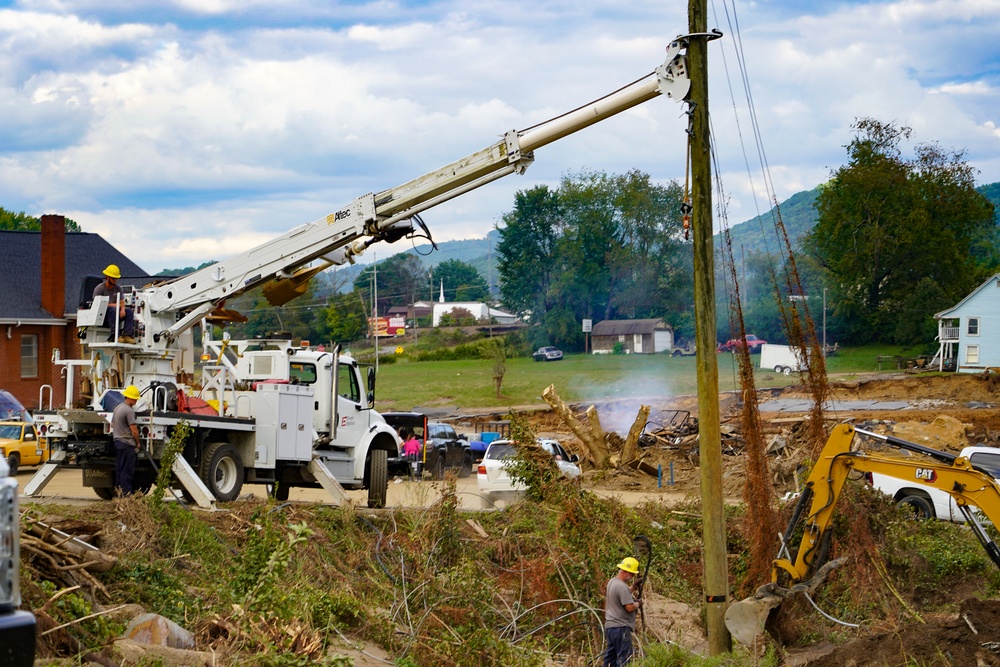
{"points": [[752, 342]]}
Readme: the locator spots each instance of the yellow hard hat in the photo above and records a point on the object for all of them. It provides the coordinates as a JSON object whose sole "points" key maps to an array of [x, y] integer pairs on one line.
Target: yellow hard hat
{"points": [[113, 272], [132, 392], [629, 565]]}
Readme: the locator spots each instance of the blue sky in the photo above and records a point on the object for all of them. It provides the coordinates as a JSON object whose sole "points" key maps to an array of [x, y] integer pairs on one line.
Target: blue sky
{"points": [[191, 130]]}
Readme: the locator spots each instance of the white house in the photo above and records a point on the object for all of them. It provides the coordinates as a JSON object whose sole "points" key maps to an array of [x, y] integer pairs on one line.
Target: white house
{"points": [[479, 310], [969, 332]]}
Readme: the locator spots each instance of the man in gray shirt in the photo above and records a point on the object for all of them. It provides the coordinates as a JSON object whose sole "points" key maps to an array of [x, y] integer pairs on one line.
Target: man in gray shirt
{"points": [[620, 608], [126, 435], [126, 318]]}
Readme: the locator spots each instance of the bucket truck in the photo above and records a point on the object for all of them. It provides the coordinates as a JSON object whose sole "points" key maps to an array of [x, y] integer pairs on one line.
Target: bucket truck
{"points": [[268, 412]]}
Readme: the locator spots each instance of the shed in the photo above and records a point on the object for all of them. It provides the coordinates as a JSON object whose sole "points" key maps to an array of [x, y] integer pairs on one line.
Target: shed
{"points": [[636, 336]]}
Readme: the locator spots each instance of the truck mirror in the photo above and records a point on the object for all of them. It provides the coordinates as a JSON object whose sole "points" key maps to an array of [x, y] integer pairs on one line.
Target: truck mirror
{"points": [[371, 386]]}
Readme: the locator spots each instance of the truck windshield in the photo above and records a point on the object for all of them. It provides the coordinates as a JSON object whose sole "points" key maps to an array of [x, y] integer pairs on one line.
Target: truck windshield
{"points": [[10, 431]]}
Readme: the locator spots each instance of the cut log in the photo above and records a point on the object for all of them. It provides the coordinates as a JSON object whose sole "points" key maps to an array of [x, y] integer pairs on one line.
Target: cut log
{"points": [[630, 450], [594, 450], [595, 424]]}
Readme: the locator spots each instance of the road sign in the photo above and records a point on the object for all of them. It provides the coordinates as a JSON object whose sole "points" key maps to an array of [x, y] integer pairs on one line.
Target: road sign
{"points": [[588, 326]]}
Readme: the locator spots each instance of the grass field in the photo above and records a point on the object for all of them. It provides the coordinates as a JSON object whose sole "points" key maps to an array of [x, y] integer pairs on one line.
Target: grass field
{"points": [[465, 384]]}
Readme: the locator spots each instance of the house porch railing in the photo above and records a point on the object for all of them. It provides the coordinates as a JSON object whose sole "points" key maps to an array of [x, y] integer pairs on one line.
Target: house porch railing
{"points": [[948, 333]]}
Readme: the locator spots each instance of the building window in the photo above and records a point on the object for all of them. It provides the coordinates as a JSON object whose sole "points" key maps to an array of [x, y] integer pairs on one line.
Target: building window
{"points": [[29, 355], [973, 329], [972, 354], [621, 338]]}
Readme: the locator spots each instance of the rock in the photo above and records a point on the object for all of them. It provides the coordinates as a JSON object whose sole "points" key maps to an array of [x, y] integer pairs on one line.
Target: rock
{"points": [[158, 630]]}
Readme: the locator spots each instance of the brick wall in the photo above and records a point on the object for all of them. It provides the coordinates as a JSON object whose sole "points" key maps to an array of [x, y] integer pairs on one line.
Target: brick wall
{"points": [[49, 337]]}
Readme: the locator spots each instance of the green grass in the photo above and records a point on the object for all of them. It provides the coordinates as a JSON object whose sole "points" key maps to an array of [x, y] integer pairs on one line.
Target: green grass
{"points": [[578, 377]]}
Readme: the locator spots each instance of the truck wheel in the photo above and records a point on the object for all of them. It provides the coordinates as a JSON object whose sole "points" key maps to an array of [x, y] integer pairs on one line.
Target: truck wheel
{"points": [[919, 505], [222, 471], [378, 478], [466, 468], [787, 370], [779, 369], [439, 467], [104, 492], [13, 461]]}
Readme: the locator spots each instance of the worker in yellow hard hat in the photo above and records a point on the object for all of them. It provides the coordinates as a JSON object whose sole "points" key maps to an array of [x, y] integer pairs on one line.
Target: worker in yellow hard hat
{"points": [[117, 311], [619, 609], [126, 437]]}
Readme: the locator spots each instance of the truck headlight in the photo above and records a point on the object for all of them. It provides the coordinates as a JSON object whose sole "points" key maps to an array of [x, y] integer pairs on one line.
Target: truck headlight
{"points": [[10, 530]]}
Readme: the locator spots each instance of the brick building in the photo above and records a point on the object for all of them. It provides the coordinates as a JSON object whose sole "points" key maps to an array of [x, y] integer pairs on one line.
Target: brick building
{"points": [[41, 279]]}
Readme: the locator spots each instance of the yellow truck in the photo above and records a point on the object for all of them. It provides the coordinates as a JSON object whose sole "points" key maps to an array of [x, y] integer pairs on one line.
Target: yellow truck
{"points": [[21, 446]]}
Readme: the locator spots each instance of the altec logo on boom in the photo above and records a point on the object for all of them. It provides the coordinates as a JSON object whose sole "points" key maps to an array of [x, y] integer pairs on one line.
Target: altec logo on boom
{"points": [[926, 475]]}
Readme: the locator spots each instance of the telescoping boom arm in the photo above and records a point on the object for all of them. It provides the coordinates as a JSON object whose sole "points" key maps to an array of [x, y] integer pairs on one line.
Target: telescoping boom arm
{"points": [[389, 215]]}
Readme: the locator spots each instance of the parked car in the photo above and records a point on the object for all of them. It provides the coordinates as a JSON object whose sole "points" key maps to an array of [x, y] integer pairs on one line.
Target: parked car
{"points": [[17, 627], [493, 476], [547, 353], [752, 342], [444, 448], [930, 503], [21, 446], [683, 348]]}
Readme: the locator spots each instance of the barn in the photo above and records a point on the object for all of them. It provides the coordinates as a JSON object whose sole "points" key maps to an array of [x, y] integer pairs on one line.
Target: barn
{"points": [[636, 336]]}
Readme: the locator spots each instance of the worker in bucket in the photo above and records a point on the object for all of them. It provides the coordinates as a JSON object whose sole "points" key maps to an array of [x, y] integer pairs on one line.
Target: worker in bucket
{"points": [[619, 609], [126, 318], [126, 435]]}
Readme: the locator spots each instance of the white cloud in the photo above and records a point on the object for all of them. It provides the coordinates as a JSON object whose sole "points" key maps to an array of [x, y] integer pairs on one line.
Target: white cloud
{"points": [[193, 129]]}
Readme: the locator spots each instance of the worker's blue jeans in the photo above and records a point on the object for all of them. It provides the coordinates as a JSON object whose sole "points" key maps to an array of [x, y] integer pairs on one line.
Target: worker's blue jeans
{"points": [[126, 325], [619, 651], [125, 466]]}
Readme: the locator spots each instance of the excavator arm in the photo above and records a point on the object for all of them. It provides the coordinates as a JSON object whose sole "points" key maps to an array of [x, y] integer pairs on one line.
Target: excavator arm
{"points": [[391, 214], [806, 568]]}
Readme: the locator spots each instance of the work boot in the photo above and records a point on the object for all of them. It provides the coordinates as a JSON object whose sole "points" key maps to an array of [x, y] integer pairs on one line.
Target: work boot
{"points": [[128, 340]]}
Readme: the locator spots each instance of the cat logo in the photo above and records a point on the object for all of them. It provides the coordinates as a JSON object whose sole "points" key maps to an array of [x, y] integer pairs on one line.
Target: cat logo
{"points": [[926, 474]]}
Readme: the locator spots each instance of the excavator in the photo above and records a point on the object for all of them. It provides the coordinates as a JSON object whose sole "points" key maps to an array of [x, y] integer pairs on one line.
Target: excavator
{"points": [[970, 485]]}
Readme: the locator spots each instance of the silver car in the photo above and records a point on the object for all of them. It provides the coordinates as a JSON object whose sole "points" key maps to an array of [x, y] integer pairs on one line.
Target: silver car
{"points": [[494, 480]]}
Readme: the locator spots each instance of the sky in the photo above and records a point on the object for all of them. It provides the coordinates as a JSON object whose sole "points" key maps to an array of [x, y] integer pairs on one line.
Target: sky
{"points": [[193, 130]]}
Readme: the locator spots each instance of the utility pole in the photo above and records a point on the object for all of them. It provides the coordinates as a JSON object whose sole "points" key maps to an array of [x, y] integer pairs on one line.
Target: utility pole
{"points": [[716, 578]]}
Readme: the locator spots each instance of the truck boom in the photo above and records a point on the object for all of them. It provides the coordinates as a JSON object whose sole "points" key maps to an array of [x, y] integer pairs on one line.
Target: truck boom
{"points": [[388, 215]]}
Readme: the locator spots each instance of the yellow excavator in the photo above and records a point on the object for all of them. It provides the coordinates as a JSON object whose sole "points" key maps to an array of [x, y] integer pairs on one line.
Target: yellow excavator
{"points": [[971, 486]]}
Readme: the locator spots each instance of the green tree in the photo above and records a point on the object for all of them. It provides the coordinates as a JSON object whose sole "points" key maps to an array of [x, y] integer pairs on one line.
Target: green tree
{"points": [[599, 247], [400, 281], [462, 282], [527, 249], [345, 317], [11, 221], [887, 224]]}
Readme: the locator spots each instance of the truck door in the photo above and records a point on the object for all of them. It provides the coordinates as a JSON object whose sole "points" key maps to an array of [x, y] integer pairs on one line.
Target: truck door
{"points": [[352, 421]]}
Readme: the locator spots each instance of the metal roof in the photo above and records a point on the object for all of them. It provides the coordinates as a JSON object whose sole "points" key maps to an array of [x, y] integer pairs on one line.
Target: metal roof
{"points": [[627, 327]]}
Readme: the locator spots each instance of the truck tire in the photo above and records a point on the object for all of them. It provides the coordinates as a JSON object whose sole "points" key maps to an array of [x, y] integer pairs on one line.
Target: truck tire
{"points": [[466, 468], [779, 369], [222, 471], [104, 492], [13, 461], [787, 370], [921, 506], [378, 478], [439, 467]]}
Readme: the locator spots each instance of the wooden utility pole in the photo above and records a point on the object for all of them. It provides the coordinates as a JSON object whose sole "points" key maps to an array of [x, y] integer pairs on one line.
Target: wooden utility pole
{"points": [[716, 579]]}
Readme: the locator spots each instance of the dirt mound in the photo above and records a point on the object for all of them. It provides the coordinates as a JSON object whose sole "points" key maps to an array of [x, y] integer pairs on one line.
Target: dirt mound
{"points": [[970, 638]]}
